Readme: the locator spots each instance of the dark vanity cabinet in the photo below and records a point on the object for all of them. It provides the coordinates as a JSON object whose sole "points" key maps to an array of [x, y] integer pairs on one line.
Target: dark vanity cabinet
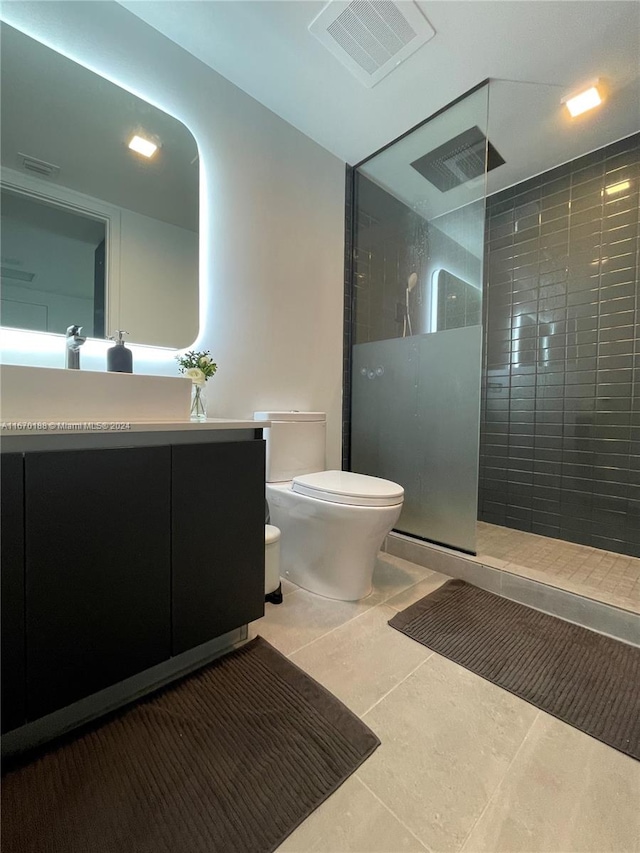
{"points": [[97, 570], [116, 559], [214, 550], [12, 565]]}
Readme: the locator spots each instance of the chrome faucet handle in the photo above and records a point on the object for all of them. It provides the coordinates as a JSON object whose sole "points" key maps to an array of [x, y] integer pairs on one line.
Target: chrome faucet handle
{"points": [[74, 342], [74, 338]]}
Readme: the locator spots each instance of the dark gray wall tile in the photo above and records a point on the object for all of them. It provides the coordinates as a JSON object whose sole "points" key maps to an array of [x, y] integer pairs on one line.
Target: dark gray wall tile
{"points": [[561, 309]]}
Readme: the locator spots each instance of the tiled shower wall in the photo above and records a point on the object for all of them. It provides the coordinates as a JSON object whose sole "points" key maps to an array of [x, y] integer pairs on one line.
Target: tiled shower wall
{"points": [[390, 243], [560, 427]]}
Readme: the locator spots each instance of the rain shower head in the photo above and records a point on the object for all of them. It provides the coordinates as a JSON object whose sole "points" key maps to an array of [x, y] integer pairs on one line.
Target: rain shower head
{"points": [[459, 160]]}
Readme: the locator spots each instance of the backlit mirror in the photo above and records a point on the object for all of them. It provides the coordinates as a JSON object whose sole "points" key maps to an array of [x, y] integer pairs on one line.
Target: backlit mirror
{"points": [[94, 233], [459, 303]]}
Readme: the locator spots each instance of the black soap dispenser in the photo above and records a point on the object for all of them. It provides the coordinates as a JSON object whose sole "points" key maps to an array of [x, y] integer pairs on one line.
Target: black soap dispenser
{"points": [[119, 358]]}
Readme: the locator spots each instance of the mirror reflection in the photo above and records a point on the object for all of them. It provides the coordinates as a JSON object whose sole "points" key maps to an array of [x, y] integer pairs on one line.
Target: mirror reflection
{"points": [[64, 273], [93, 232], [459, 303]]}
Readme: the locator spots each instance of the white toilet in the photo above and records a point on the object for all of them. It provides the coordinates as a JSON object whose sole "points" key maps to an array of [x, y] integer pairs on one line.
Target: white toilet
{"points": [[333, 522]]}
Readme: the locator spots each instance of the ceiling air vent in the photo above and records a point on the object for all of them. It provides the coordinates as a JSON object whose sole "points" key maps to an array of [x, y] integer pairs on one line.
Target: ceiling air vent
{"points": [[371, 37], [458, 160], [38, 167], [16, 275]]}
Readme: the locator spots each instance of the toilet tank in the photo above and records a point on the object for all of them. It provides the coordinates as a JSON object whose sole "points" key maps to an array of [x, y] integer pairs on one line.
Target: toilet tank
{"points": [[296, 443]]}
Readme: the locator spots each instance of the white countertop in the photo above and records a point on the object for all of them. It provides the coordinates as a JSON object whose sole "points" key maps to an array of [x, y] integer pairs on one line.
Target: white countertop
{"points": [[25, 428]]}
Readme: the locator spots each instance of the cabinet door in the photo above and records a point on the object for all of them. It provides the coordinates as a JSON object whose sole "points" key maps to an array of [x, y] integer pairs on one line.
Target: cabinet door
{"points": [[97, 570], [12, 567], [217, 539]]}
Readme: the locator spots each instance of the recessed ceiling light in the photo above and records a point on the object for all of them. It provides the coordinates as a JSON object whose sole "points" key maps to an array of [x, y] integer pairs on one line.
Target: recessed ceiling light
{"points": [[580, 102], [143, 146], [620, 187]]}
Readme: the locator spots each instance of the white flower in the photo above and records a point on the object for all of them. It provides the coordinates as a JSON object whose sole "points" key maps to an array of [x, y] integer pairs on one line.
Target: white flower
{"points": [[196, 375], [205, 361]]}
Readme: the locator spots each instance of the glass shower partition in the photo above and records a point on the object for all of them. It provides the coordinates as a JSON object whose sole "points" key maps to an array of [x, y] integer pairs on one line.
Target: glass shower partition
{"points": [[419, 214]]}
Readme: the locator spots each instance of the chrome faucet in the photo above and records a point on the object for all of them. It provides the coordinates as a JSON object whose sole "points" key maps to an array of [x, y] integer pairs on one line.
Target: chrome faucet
{"points": [[74, 342]]}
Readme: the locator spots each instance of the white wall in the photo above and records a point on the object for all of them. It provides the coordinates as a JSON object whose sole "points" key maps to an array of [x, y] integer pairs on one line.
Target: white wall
{"points": [[158, 295], [272, 220]]}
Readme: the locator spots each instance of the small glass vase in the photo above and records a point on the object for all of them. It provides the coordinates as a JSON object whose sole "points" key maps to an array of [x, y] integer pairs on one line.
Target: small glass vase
{"points": [[198, 405]]}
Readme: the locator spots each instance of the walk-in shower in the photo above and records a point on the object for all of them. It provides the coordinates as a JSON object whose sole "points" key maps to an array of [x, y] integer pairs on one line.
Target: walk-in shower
{"points": [[494, 316], [415, 374]]}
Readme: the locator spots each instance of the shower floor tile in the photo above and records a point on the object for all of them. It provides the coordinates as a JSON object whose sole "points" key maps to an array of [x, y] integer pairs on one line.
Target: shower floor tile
{"points": [[603, 575]]}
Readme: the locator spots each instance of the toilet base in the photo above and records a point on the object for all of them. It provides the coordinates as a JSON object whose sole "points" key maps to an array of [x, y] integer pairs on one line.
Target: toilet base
{"points": [[276, 596], [327, 548]]}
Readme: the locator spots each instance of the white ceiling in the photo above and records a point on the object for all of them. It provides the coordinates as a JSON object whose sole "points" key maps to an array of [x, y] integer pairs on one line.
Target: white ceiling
{"points": [[265, 48]]}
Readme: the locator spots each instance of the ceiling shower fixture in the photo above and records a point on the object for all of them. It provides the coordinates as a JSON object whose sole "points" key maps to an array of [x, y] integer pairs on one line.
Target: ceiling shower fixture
{"points": [[371, 37], [458, 160]]}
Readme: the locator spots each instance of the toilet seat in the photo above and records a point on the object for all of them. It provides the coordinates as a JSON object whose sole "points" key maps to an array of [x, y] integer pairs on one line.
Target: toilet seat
{"points": [[345, 487]]}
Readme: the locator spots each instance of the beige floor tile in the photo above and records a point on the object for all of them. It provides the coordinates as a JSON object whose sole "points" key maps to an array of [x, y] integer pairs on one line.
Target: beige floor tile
{"points": [[565, 792], [417, 591], [363, 660], [303, 617], [448, 738], [288, 587], [456, 763], [393, 575], [352, 820]]}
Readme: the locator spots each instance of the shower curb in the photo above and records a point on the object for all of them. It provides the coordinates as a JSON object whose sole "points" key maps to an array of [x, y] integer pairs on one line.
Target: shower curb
{"points": [[604, 618]]}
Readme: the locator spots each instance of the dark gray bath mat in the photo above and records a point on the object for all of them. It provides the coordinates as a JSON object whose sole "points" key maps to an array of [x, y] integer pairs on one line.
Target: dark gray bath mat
{"points": [[230, 760], [585, 679]]}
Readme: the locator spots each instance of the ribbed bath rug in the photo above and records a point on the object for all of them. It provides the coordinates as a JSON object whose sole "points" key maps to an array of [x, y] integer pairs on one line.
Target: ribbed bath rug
{"points": [[589, 681], [230, 760]]}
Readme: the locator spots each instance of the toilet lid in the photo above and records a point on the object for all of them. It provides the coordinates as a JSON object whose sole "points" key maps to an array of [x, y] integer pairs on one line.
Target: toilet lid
{"points": [[345, 487]]}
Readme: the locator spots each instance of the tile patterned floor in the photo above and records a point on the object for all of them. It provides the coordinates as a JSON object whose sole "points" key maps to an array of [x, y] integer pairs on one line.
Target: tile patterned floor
{"points": [[603, 575], [463, 766]]}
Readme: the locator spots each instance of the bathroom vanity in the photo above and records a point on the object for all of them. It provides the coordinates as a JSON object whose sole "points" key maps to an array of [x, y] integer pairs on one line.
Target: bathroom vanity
{"points": [[129, 557]]}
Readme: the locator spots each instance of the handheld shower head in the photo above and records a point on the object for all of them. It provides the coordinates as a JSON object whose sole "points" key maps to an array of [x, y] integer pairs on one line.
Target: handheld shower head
{"points": [[411, 283]]}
